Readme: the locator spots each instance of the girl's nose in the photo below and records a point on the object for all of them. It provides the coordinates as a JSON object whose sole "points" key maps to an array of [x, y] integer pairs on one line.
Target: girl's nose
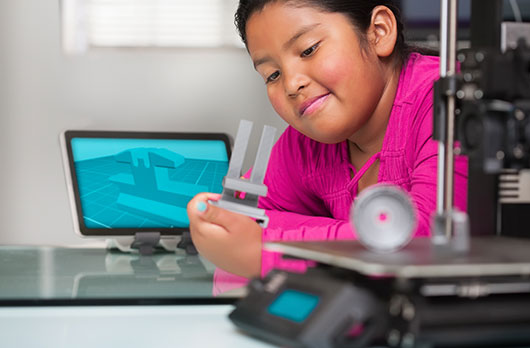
{"points": [[294, 83]]}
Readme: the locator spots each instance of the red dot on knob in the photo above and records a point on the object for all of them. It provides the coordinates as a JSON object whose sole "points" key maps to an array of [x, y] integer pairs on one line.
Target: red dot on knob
{"points": [[383, 217]]}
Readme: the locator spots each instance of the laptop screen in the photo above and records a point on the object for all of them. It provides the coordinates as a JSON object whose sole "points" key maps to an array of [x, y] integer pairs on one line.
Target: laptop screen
{"points": [[132, 182]]}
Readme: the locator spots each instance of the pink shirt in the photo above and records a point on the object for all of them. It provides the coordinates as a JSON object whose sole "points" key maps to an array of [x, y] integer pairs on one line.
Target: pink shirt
{"points": [[310, 189]]}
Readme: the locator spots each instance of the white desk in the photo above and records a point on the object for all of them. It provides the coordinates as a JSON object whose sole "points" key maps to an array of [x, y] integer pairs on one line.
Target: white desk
{"points": [[85, 298], [121, 326]]}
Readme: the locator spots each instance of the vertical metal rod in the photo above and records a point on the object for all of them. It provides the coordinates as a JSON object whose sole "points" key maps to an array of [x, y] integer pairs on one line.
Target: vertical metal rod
{"points": [[444, 32], [448, 25]]}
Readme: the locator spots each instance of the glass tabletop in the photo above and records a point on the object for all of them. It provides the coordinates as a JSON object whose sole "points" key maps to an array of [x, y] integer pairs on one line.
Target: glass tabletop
{"points": [[41, 275]]}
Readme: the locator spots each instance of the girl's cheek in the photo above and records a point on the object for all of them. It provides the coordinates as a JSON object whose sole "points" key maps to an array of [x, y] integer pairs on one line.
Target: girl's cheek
{"points": [[334, 70], [279, 105]]}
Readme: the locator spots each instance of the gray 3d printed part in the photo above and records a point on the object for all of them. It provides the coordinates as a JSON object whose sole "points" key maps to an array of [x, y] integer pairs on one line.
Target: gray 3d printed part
{"points": [[254, 187], [384, 218]]}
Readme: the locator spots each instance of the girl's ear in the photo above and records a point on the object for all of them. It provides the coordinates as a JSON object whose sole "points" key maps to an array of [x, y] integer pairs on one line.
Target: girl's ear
{"points": [[383, 31]]}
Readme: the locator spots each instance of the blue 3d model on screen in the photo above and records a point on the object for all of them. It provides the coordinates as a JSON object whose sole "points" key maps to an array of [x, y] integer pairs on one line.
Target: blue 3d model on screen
{"points": [[144, 183], [148, 190]]}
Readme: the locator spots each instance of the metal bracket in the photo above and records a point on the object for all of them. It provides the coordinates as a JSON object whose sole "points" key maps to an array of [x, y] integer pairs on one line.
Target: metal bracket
{"points": [[459, 241]]}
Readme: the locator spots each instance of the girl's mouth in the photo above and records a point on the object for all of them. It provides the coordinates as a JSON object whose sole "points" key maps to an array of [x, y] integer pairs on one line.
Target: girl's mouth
{"points": [[310, 105]]}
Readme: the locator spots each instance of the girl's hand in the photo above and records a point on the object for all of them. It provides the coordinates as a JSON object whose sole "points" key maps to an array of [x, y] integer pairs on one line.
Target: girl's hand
{"points": [[229, 240]]}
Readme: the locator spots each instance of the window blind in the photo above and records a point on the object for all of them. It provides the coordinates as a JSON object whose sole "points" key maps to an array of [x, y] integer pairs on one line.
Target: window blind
{"points": [[148, 23]]}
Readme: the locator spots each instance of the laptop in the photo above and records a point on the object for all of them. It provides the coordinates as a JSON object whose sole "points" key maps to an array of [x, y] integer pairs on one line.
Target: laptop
{"points": [[122, 183]]}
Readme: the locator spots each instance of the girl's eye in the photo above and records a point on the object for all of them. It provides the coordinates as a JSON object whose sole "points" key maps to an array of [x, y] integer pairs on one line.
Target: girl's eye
{"points": [[310, 50], [272, 77]]}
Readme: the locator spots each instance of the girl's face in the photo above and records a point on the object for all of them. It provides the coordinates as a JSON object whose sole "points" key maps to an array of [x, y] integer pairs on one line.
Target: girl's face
{"points": [[318, 78]]}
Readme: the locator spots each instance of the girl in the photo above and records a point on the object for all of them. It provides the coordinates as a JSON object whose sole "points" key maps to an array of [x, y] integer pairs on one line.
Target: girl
{"points": [[359, 104]]}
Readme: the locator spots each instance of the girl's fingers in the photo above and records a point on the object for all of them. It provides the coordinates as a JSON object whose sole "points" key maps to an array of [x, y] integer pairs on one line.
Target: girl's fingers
{"points": [[217, 216]]}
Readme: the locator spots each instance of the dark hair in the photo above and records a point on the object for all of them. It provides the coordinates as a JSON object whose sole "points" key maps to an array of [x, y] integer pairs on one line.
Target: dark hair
{"points": [[358, 11]]}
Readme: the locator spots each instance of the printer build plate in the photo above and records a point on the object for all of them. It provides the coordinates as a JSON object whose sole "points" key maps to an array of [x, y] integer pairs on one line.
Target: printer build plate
{"points": [[487, 256]]}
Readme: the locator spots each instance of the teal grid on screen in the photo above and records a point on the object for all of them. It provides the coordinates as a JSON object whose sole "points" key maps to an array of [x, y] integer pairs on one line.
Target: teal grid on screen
{"points": [[145, 183]]}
